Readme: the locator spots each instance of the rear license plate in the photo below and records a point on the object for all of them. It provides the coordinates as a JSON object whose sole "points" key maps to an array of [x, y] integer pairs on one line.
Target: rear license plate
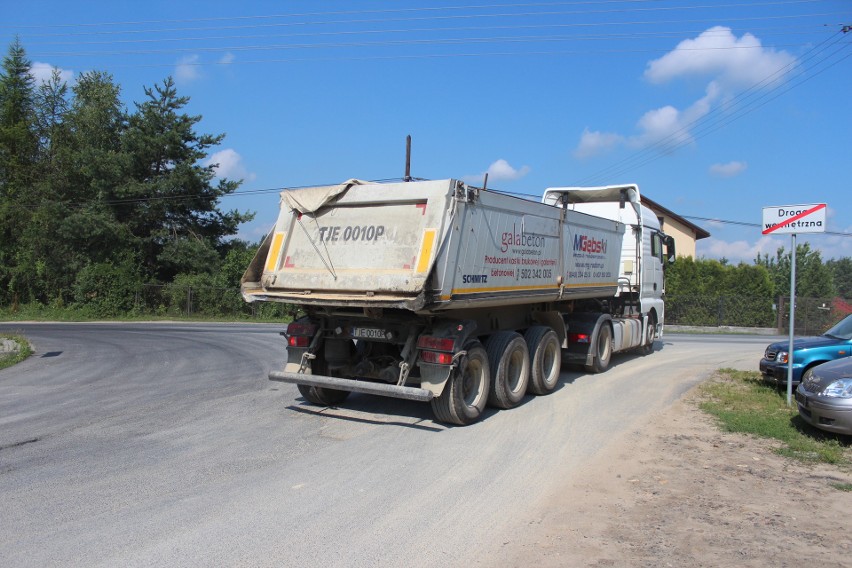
{"points": [[371, 333]]}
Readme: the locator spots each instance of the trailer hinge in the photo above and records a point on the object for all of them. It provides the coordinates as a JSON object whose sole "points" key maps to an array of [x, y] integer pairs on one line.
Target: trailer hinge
{"points": [[306, 356], [404, 369], [409, 353]]}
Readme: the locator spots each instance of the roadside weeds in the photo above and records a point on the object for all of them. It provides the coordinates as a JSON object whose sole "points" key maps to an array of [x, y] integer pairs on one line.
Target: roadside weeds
{"points": [[14, 356]]}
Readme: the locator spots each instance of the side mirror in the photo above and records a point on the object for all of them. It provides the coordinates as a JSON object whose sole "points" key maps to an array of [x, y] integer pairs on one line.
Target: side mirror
{"points": [[670, 249]]}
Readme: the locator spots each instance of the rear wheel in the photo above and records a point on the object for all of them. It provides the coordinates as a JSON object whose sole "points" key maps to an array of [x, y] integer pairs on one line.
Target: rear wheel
{"points": [[545, 359], [510, 368], [466, 392], [603, 350], [322, 395]]}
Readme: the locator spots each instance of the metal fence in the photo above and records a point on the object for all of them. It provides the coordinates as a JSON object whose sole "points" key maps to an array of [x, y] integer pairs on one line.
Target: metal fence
{"points": [[813, 315]]}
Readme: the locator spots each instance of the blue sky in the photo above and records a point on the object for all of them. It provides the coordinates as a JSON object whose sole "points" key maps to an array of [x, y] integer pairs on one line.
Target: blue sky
{"points": [[715, 108]]}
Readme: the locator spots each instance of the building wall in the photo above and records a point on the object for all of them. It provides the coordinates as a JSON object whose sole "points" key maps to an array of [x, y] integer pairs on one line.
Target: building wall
{"points": [[684, 237]]}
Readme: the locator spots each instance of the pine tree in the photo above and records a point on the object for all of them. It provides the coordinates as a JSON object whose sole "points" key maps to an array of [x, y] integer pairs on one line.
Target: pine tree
{"points": [[173, 202]]}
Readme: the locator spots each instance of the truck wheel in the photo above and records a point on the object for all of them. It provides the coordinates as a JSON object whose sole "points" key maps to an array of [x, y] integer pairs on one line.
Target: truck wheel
{"points": [[545, 359], [510, 368], [603, 350], [647, 346], [466, 391], [322, 396]]}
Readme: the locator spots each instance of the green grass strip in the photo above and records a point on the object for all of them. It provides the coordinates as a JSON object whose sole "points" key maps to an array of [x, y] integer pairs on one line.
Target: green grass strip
{"points": [[743, 403]]}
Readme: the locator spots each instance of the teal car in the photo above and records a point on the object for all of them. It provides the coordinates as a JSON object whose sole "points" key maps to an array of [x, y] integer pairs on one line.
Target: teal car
{"points": [[808, 352]]}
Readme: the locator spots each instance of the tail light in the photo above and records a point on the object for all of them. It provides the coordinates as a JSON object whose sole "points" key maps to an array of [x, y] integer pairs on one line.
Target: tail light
{"points": [[301, 341], [436, 357], [299, 334], [436, 343], [578, 338], [437, 350]]}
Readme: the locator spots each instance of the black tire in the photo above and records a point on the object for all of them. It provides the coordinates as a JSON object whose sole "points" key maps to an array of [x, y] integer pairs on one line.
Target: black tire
{"points": [[650, 334], [603, 350], [545, 359], [466, 392], [510, 368], [321, 395]]}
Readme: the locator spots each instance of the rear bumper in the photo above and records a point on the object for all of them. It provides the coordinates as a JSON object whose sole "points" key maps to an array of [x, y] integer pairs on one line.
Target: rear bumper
{"points": [[352, 385]]}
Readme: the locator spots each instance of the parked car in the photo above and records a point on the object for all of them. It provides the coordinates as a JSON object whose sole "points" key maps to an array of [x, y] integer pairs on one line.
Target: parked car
{"points": [[824, 396], [808, 352]]}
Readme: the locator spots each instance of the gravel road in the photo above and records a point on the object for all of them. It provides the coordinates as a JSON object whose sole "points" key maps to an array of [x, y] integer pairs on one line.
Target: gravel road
{"points": [[164, 444]]}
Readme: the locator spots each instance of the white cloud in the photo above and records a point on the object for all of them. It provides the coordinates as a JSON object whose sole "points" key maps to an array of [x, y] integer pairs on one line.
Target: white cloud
{"points": [[729, 64], [730, 169], [227, 59], [229, 164], [737, 251], [595, 143], [499, 170], [668, 127], [502, 171], [42, 72], [717, 53], [187, 69]]}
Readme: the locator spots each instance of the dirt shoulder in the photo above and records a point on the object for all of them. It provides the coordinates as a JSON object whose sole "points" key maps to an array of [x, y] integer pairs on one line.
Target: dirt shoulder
{"points": [[682, 493]]}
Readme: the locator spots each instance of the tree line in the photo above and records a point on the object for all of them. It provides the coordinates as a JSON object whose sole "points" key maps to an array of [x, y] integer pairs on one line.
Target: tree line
{"points": [[98, 202], [96, 199], [711, 292]]}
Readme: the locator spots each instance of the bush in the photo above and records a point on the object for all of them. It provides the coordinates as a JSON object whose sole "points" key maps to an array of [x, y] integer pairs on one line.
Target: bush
{"points": [[105, 289]]}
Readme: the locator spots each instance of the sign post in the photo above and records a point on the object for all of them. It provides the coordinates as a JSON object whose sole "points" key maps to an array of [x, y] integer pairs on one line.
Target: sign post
{"points": [[792, 219]]}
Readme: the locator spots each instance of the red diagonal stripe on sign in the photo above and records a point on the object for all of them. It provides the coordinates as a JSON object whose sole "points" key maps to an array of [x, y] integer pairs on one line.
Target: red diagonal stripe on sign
{"points": [[794, 218]]}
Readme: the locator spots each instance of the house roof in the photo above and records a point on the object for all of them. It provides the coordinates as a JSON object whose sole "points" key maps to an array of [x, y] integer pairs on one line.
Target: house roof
{"points": [[699, 232]]}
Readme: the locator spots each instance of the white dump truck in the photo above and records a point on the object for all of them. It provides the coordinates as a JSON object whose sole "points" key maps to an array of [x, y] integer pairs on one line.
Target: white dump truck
{"points": [[443, 292]]}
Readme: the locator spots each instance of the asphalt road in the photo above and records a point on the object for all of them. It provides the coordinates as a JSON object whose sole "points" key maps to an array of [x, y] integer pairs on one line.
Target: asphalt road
{"points": [[165, 445]]}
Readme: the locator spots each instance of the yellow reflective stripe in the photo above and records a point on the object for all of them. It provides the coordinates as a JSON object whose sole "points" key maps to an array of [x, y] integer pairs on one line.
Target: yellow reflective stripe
{"points": [[274, 251], [426, 250]]}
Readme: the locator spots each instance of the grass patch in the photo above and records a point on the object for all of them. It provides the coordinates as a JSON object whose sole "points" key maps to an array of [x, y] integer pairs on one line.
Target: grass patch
{"points": [[15, 358], [743, 403]]}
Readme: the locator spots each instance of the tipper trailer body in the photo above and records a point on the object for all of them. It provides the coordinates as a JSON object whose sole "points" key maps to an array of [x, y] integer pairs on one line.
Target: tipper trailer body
{"points": [[439, 291]]}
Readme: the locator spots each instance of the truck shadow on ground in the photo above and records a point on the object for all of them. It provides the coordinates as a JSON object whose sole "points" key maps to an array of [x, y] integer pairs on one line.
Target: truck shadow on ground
{"points": [[370, 409], [377, 410]]}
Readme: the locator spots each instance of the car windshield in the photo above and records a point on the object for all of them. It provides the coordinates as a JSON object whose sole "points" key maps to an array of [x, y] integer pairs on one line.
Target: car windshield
{"points": [[843, 329]]}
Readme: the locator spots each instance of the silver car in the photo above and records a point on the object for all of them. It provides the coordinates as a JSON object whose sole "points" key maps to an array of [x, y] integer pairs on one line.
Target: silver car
{"points": [[825, 396]]}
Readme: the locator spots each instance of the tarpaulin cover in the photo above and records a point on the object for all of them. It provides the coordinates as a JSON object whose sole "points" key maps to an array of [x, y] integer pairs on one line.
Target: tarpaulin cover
{"points": [[311, 199]]}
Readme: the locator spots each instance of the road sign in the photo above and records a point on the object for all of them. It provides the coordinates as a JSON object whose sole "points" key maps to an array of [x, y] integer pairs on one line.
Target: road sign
{"points": [[792, 219]]}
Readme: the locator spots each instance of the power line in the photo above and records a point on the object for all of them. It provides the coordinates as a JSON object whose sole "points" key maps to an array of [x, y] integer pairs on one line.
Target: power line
{"points": [[767, 30], [410, 42], [749, 5], [756, 225]]}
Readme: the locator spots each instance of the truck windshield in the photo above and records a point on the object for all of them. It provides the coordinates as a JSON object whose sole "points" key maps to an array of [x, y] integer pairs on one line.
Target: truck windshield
{"points": [[843, 330]]}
